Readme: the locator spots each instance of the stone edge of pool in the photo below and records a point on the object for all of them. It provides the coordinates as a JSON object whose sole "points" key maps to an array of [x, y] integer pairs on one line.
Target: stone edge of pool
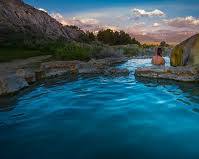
{"points": [[23, 76], [180, 73]]}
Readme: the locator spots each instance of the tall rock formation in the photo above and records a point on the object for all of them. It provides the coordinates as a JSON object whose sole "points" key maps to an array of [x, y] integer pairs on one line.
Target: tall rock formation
{"points": [[186, 53], [19, 21]]}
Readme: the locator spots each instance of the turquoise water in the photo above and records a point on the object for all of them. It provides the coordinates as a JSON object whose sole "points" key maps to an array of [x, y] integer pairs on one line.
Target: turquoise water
{"points": [[102, 117]]}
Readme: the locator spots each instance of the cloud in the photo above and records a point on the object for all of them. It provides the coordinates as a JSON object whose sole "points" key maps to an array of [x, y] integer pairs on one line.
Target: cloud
{"points": [[60, 18], [90, 21], [85, 24], [173, 36], [156, 24], [164, 35], [183, 22], [143, 13], [137, 28], [57, 16], [143, 30], [41, 9], [73, 20]]}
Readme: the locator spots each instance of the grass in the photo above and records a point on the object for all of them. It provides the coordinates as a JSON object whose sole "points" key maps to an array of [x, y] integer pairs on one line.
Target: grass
{"points": [[130, 50], [85, 52], [60, 50], [9, 54], [73, 51]]}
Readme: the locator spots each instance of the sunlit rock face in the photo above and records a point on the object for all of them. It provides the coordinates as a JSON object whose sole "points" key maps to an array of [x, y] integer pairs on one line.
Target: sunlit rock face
{"points": [[186, 53]]}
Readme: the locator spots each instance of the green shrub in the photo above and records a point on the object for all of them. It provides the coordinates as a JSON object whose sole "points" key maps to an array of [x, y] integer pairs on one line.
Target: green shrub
{"points": [[60, 49], [130, 50], [80, 51], [105, 52], [73, 51], [111, 37], [9, 54]]}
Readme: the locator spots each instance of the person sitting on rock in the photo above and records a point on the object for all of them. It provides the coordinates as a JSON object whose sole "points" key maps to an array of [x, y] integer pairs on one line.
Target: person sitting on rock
{"points": [[158, 59]]}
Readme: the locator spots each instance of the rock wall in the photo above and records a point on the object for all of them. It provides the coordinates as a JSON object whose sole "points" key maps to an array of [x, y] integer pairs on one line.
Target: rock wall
{"points": [[186, 53], [19, 21]]}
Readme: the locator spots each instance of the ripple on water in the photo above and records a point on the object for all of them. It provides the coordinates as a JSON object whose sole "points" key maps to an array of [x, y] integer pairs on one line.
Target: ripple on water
{"points": [[103, 115]]}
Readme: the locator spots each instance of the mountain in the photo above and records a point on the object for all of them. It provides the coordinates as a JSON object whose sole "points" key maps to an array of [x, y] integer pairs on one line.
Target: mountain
{"points": [[186, 53], [172, 37], [20, 21]]}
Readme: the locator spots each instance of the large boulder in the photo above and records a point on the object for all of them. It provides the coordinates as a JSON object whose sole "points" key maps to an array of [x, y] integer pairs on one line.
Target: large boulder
{"points": [[186, 53], [11, 84], [27, 74]]}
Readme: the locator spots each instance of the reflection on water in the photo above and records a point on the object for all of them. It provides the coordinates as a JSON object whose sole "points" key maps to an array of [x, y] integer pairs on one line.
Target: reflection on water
{"points": [[102, 117], [8, 103], [190, 90]]}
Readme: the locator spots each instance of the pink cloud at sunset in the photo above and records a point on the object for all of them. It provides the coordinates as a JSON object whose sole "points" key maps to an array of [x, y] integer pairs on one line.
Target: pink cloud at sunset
{"points": [[146, 25]]}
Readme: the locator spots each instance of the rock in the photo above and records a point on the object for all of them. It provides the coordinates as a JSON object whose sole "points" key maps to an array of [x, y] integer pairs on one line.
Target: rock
{"points": [[116, 72], [88, 68], [59, 64], [27, 74], [185, 74], [100, 66], [55, 72], [20, 21], [20, 78], [108, 61], [112, 61], [12, 84], [186, 53], [39, 75], [58, 68]]}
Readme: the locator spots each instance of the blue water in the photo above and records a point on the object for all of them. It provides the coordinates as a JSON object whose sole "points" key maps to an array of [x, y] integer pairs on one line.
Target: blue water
{"points": [[102, 117]]}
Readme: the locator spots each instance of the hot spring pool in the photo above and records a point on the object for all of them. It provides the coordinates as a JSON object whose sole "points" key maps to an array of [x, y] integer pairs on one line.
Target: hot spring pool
{"points": [[102, 117]]}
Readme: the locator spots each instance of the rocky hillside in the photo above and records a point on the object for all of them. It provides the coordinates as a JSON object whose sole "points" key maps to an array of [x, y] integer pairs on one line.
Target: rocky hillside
{"points": [[186, 53], [19, 21]]}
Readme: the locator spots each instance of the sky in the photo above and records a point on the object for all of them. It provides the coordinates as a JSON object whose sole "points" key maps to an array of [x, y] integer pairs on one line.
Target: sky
{"points": [[148, 21]]}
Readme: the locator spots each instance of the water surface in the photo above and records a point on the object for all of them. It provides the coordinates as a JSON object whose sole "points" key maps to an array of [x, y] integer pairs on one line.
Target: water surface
{"points": [[102, 117]]}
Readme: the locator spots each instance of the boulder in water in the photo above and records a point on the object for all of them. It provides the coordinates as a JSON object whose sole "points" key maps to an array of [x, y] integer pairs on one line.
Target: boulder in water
{"points": [[11, 84], [180, 73], [186, 53]]}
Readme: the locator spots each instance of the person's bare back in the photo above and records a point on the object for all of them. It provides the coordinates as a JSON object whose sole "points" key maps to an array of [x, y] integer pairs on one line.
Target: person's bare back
{"points": [[158, 59]]}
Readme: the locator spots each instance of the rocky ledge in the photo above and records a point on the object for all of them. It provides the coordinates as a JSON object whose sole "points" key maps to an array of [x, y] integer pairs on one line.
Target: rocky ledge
{"points": [[23, 77], [180, 73]]}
